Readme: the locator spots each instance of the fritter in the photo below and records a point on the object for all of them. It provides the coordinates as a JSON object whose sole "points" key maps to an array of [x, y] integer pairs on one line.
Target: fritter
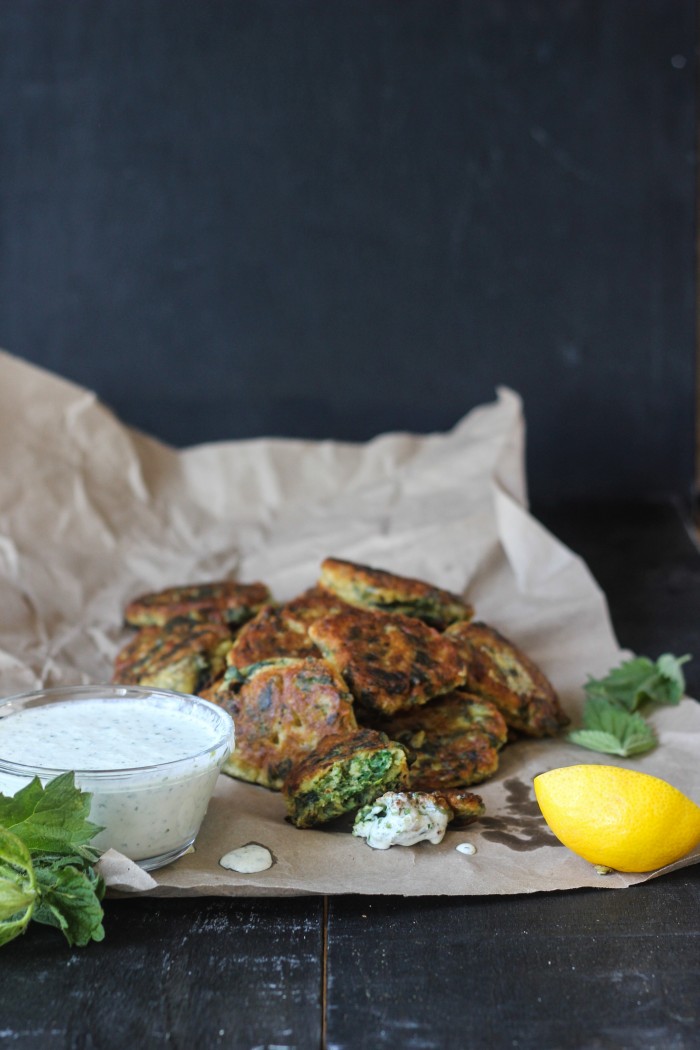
{"points": [[465, 806], [341, 774], [403, 818], [452, 742], [183, 656], [313, 604], [498, 671], [390, 662], [268, 635], [281, 712], [371, 588], [222, 602], [282, 630]]}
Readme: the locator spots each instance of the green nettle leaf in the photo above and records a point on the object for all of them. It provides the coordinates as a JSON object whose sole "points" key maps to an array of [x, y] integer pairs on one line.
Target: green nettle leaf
{"points": [[625, 684], [641, 680], [18, 887], [596, 740], [51, 819], [612, 730], [46, 862], [70, 901], [670, 687]]}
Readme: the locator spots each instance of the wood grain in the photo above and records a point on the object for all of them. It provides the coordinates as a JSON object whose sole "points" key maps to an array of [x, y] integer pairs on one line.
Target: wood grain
{"points": [[181, 974]]}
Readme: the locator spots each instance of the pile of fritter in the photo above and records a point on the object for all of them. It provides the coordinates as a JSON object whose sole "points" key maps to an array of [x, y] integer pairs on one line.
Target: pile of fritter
{"points": [[367, 683]]}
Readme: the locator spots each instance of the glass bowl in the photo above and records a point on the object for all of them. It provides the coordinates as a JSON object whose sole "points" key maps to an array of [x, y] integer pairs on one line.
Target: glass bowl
{"points": [[150, 758]]}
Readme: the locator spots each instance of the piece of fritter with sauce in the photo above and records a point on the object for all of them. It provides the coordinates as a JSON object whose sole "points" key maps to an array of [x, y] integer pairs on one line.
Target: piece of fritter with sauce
{"points": [[452, 741], [342, 774], [183, 656], [283, 710], [222, 602], [282, 630], [498, 671], [405, 818], [369, 588], [390, 662]]}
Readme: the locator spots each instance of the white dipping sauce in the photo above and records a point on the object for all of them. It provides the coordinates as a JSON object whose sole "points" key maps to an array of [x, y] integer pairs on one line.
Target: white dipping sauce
{"points": [[150, 763]]}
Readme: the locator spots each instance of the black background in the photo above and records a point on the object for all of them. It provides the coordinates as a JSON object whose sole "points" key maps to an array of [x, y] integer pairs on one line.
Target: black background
{"points": [[332, 219]]}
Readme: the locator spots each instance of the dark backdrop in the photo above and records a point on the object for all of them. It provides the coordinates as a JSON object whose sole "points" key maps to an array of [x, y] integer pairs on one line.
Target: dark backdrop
{"points": [[329, 219]]}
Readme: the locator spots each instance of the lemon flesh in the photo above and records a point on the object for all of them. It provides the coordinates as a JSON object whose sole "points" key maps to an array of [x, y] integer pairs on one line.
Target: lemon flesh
{"points": [[618, 818]]}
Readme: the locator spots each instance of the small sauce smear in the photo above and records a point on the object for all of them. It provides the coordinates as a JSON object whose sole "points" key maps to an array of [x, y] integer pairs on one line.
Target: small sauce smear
{"points": [[247, 859], [466, 847]]}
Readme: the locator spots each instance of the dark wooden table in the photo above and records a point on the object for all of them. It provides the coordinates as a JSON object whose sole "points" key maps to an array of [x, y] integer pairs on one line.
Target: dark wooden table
{"points": [[588, 969]]}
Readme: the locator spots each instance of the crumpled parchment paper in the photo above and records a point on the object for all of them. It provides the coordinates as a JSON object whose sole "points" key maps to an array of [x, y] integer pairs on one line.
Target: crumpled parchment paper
{"points": [[93, 513]]}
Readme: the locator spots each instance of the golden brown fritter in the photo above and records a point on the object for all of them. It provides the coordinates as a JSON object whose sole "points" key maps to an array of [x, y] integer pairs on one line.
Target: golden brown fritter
{"points": [[465, 806], [405, 818], [222, 602], [183, 656], [268, 635], [370, 588], [313, 604], [341, 774], [282, 630], [452, 741], [390, 662], [281, 712], [498, 671]]}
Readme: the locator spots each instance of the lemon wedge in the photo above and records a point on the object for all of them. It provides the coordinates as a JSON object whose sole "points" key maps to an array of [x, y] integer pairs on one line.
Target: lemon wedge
{"points": [[618, 818]]}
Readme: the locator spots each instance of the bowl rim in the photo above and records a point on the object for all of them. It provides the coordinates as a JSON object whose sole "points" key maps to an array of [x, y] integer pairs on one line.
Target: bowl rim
{"points": [[113, 692]]}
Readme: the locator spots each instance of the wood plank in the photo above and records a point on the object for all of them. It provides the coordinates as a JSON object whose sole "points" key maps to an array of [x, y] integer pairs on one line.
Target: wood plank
{"points": [[176, 973], [564, 970]]}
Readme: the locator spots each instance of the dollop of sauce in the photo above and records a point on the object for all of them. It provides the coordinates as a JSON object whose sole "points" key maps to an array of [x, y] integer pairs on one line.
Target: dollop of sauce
{"points": [[247, 859], [402, 818], [150, 811]]}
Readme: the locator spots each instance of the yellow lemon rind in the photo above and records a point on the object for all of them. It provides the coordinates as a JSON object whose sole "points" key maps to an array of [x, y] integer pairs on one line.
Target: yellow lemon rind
{"points": [[617, 817]]}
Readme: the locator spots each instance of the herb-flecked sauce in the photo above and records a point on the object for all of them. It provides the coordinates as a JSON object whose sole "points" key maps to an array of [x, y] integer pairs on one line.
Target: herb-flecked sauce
{"points": [[146, 812]]}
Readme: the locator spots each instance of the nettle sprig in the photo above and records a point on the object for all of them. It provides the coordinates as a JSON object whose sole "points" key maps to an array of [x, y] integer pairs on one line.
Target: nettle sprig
{"points": [[612, 723], [46, 862]]}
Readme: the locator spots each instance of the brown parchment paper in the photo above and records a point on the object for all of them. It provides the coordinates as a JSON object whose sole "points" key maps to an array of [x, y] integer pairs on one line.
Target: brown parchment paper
{"points": [[93, 513]]}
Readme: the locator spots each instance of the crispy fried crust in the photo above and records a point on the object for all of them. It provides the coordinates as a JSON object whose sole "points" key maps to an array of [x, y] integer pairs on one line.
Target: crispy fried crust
{"points": [[281, 712], [222, 602], [313, 604], [342, 774], [282, 630], [498, 671], [268, 635], [465, 806], [390, 662], [183, 656], [452, 742], [371, 588]]}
